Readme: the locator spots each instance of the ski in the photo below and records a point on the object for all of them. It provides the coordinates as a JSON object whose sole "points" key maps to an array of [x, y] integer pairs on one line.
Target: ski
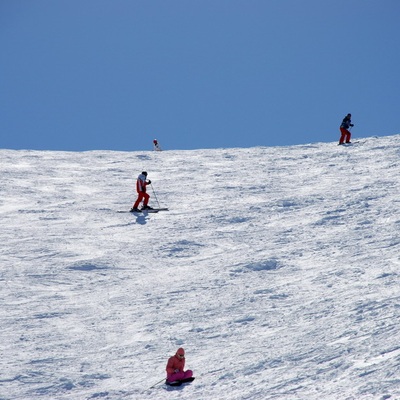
{"points": [[149, 210], [348, 144], [138, 212], [179, 383]]}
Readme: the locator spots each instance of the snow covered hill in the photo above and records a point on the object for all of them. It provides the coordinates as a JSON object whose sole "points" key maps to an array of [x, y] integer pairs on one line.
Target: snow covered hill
{"points": [[277, 269]]}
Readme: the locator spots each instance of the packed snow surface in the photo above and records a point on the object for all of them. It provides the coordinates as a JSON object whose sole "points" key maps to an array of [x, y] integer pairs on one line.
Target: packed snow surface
{"points": [[277, 269]]}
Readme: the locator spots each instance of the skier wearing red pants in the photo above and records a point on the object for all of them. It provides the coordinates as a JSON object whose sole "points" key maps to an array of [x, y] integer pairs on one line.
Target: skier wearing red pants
{"points": [[175, 367], [344, 129], [141, 184]]}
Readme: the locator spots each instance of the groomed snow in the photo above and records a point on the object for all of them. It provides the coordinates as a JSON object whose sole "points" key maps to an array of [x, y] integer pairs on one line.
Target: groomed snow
{"points": [[277, 269]]}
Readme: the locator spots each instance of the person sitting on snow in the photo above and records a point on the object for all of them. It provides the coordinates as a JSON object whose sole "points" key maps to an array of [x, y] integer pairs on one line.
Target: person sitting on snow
{"points": [[175, 367]]}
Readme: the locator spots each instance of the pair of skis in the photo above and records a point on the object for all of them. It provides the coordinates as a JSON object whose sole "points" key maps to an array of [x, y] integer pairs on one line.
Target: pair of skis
{"points": [[174, 383], [150, 210], [180, 382]]}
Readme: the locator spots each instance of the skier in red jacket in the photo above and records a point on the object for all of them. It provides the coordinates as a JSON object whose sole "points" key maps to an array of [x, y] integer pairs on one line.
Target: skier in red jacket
{"points": [[175, 367], [141, 184]]}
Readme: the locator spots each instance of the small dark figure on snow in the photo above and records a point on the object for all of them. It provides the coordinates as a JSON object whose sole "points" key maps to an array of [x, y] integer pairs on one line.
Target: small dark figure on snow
{"points": [[156, 145], [141, 184], [175, 367], [344, 129]]}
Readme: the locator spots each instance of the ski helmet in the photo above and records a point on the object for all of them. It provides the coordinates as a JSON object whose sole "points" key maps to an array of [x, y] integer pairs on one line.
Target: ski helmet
{"points": [[144, 173]]}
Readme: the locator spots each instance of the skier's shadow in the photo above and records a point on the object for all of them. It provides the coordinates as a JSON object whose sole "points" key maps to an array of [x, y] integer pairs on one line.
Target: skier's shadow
{"points": [[174, 388], [142, 219]]}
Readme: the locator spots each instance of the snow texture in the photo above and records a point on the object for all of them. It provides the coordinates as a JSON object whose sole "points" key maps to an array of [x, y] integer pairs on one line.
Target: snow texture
{"points": [[277, 269]]}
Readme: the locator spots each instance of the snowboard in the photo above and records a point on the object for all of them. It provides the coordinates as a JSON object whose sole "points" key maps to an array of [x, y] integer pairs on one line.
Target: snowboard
{"points": [[180, 383]]}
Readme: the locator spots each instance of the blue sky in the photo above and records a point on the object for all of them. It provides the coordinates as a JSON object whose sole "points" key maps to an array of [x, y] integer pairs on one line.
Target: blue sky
{"points": [[116, 74]]}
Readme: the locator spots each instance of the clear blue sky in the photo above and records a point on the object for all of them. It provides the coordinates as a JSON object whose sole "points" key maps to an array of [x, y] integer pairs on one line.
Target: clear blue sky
{"points": [[116, 74]]}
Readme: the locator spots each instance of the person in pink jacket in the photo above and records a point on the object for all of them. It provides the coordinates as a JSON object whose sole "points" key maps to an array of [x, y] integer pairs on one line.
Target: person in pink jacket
{"points": [[175, 367]]}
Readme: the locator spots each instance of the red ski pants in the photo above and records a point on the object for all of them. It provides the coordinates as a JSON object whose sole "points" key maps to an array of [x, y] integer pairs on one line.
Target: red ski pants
{"points": [[345, 136], [141, 196]]}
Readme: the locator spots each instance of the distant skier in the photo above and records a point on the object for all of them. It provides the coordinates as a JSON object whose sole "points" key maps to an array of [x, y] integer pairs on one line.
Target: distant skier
{"points": [[156, 145], [175, 367], [141, 184], [344, 129]]}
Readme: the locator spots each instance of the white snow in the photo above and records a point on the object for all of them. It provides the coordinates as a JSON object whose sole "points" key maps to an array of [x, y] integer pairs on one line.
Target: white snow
{"points": [[277, 269]]}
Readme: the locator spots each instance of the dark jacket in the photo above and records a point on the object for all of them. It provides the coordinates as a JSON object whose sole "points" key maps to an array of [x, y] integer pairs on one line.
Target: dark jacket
{"points": [[346, 123]]}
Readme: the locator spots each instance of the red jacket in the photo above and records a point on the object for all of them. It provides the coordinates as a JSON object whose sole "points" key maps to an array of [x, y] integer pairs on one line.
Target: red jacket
{"points": [[175, 363]]}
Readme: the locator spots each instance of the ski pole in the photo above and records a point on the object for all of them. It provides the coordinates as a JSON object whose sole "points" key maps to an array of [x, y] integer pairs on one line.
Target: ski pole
{"points": [[162, 380], [155, 195]]}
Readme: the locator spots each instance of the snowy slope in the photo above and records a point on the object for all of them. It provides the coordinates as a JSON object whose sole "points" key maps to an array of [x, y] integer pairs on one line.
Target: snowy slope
{"points": [[277, 269]]}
